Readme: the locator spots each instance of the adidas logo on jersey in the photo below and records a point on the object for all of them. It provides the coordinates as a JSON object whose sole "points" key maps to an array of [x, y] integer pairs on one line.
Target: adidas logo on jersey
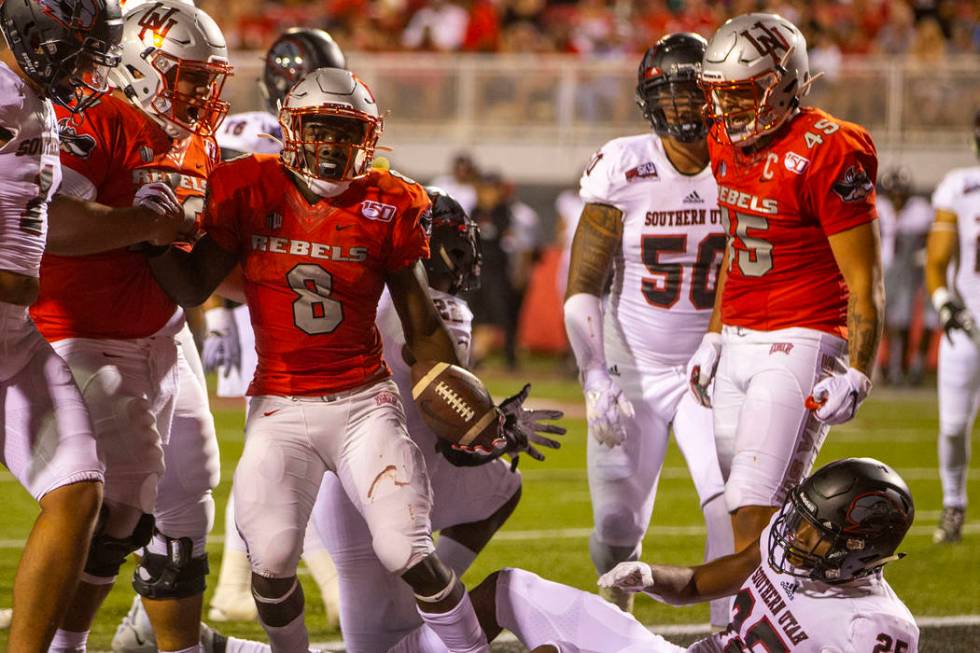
{"points": [[789, 588], [693, 198]]}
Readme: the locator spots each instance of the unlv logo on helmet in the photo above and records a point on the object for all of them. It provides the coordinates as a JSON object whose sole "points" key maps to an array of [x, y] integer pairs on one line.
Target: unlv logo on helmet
{"points": [[75, 14], [767, 40], [158, 23]]}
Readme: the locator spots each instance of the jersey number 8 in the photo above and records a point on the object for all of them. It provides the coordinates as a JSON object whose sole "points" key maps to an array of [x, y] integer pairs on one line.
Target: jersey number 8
{"points": [[314, 313]]}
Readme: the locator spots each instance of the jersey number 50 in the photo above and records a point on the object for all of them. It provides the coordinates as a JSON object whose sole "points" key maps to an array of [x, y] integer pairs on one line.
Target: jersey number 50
{"points": [[314, 313], [664, 290]]}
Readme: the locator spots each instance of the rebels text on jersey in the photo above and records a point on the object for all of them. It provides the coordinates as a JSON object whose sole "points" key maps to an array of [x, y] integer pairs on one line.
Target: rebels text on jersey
{"points": [[30, 173], [673, 241], [118, 149], [816, 179], [959, 193], [781, 613], [313, 274]]}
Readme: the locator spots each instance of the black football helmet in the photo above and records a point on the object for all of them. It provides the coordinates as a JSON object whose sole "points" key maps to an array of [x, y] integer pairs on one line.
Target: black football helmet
{"points": [[454, 245], [67, 47], [843, 522], [296, 52], [667, 90], [896, 180]]}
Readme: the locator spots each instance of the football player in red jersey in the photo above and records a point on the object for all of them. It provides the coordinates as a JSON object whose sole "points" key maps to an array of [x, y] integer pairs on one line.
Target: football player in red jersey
{"points": [[46, 439], [124, 339], [318, 234], [798, 314]]}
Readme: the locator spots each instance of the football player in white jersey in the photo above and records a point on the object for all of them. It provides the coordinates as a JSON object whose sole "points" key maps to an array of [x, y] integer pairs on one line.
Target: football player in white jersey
{"points": [[652, 218], [62, 52], [811, 583], [229, 347], [957, 228]]}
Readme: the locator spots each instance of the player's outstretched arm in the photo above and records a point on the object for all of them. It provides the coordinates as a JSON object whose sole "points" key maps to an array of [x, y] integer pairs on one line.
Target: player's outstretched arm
{"points": [[425, 334], [676, 585], [78, 227], [189, 278]]}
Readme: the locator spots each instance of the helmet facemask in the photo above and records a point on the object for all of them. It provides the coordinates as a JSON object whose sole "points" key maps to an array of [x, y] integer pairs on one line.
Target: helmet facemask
{"points": [[742, 107], [674, 109], [332, 144], [189, 96]]}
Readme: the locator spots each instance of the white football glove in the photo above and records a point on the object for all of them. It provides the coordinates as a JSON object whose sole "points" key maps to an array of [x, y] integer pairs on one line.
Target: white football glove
{"points": [[835, 400], [632, 576], [159, 198], [702, 366], [606, 408], [222, 347]]}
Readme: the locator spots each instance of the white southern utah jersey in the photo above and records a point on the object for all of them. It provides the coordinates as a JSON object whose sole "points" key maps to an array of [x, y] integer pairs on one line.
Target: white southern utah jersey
{"points": [[780, 613], [665, 273], [458, 319], [243, 132], [959, 193], [30, 173]]}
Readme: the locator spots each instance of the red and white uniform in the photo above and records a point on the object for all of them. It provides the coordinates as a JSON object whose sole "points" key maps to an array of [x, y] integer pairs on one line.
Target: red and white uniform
{"points": [[322, 399], [959, 356], [772, 612], [45, 433], [784, 306], [123, 338], [379, 609], [244, 132], [655, 315]]}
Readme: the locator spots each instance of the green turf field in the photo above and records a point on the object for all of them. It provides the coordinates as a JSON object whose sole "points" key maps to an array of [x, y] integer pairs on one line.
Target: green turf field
{"points": [[548, 533]]}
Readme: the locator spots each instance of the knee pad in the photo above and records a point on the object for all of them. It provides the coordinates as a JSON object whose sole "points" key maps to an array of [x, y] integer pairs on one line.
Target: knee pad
{"points": [[605, 556], [615, 523], [107, 553], [176, 575]]}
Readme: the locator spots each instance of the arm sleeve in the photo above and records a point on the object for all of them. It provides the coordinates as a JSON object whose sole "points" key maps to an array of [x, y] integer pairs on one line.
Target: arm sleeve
{"points": [[944, 197], [841, 184], [883, 632], [221, 211], [410, 233]]}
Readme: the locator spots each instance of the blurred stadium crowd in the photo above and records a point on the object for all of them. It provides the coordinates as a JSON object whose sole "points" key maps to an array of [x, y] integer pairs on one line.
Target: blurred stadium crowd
{"points": [[926, 30]]}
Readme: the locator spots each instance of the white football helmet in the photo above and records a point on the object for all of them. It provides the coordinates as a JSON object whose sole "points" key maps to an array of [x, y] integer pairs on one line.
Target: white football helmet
{"points": [[174, 65], [330, 126], [754, 73], [133, 5]]}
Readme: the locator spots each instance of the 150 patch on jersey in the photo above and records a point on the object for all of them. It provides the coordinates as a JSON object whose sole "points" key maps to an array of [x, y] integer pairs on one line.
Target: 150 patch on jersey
{"points": [[378, 211]]}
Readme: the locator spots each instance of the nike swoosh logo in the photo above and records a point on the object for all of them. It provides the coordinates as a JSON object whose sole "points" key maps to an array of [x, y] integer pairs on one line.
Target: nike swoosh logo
{"points": [[341, 227], [271, 412]]}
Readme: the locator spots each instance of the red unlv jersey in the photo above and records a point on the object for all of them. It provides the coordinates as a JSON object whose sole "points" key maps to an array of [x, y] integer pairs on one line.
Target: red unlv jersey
{"points": [[313, 275], [816, 179], [118, 149]]}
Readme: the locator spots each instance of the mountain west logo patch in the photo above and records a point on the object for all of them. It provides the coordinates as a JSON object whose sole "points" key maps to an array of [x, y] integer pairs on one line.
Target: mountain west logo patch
{"points": [[273, 221], [73, 143], [854, 185], [377, 211], [643, 171]]}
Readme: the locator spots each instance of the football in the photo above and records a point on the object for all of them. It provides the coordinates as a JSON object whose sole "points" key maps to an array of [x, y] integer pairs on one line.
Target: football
{"points": [[455, 404]]}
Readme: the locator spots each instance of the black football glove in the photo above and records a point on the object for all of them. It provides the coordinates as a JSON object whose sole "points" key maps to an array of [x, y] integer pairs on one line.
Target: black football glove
{"points": [[953, 315], [520, 430], [523, 428]]}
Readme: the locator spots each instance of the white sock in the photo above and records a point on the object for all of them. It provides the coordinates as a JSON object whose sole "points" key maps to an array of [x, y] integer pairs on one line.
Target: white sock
{"points": [[458, 628], [235, 645], [420, 639], [68, 642], [324, 572], [236, 573], [289, 638], [954, 455], [456, 556], [190, 649]]}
